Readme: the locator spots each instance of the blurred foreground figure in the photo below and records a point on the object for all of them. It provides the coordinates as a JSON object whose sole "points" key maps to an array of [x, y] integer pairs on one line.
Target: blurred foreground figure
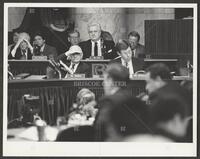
{"points": [[108, 125], [77, 134], [170, 115]]}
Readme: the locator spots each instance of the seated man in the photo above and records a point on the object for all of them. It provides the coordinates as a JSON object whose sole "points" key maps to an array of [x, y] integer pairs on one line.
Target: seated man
{"points": [[138, 49], [23, 49], [42, 49], [96, 46], [74, 37], [126, 59], [74, 65], [15, 40]]}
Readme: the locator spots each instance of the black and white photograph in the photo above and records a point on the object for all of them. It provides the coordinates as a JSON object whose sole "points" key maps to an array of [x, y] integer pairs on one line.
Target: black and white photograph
{"points": [[100, 79]]}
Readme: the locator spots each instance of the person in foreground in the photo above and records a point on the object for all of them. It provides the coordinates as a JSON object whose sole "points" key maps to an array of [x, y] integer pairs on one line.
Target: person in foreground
{"points": [[117, 94], [169, 116], [81, 118]]}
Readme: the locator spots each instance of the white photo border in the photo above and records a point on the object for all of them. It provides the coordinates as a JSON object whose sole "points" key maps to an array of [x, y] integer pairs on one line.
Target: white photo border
{"points": [[99, 148]]}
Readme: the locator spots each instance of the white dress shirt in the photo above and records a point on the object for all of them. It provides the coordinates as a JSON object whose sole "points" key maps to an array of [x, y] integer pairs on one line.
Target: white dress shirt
{"points": [[42, 48], [99, 48], [129, 66]]}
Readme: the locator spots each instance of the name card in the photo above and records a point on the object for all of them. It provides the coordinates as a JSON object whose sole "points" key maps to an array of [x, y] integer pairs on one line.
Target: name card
{"points": [[96, 58], [75, 76], [39, 58], [97, 76]]}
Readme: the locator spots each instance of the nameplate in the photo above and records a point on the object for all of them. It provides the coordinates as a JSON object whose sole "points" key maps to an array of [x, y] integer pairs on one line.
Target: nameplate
{"points": [[39, 58], [97, 76], [75, 76], [96, 58]]}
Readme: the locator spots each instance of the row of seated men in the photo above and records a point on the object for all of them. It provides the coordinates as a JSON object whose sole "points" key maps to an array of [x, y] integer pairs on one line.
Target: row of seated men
{"points": [[99, 44], [124, 52]]}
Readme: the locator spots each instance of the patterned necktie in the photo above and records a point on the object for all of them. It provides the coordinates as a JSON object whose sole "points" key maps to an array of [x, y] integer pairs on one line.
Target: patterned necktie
{"points": [[95, 49]]}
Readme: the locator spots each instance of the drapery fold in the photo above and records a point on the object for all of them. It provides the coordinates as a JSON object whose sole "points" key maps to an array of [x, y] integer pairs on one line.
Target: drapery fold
{"points": [[56, 98]]}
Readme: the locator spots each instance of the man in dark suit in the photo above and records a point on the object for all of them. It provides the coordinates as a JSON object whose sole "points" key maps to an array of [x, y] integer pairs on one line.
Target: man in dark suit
{"points": [[138, 49], [23, 49], [73, 64], [42, 49], [96, 46], [126, 58]]}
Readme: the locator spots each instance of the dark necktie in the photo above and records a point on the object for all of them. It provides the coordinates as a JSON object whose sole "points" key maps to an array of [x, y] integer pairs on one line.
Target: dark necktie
{"points": [[23, 55], [95, 49], [73, 65]]}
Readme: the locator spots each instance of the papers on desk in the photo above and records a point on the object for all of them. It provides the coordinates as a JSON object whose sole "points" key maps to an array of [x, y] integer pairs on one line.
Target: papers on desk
{"points": [[35, 77]]}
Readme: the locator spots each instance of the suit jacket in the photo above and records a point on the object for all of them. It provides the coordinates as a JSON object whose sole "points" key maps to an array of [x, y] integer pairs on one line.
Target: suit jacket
{"points": [[18, 54], [138, 64], [140, 51], [49, 51], [107, 50]]}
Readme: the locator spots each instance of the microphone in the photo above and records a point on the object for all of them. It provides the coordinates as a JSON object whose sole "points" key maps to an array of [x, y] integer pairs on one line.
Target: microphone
{"points": [[56, 67]]}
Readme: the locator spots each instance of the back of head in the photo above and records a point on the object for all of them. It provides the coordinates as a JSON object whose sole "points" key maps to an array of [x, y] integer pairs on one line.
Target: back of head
{"points": [[159, 70], [117, 72], [84, 96]]}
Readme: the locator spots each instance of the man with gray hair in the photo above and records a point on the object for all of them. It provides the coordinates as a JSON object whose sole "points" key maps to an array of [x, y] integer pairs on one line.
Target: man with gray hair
{"points": [[23, 49], [96, 46]]}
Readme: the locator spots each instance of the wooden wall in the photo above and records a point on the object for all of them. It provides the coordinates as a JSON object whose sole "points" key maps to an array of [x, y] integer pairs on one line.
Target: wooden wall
{"points": [[169, 39]]}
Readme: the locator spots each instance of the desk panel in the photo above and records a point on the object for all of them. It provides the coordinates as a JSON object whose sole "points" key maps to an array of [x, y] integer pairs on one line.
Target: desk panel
{"points": [[56, 96]]}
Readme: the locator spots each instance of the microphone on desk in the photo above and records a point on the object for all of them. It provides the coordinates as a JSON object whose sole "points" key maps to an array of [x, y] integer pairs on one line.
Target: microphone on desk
{"points": [[56, 67], [10, 75]]}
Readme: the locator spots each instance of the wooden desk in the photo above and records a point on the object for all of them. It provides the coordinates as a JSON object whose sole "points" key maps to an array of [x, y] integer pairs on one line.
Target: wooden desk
{"points": [[38, 67]]}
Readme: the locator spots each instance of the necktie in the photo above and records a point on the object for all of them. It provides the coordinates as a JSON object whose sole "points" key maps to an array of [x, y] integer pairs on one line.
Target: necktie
{"points": [[73, 65], [95, 49], [23, 55]]}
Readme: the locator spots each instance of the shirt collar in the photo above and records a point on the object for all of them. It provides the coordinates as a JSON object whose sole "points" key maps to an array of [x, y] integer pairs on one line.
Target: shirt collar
{"points": [[98, 42]]}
